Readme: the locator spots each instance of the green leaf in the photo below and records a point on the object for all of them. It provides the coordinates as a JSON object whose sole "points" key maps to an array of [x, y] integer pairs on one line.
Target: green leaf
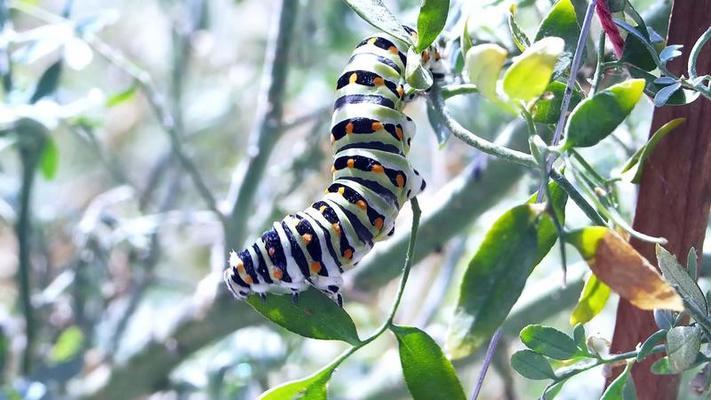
{"points": [[68, 345], [653, 86], [683, 344], [580, 337], [546, 110], [49, 159], [561, 22], [519, 37], [665, 93], [121, 97], [497, 273], [691, 266], [640, 156], [310, 388], [465, 39], [532, 365], [416, 75], [638, 49], [314, 316], [662, 367], [530, 73], [430, 22], [552, 390], [549, 342], [428, 373], [375, 13], [482, 66], [616, 389], [646, 349], [596, 117], [680, 279], [48, 82], [592, 300]]}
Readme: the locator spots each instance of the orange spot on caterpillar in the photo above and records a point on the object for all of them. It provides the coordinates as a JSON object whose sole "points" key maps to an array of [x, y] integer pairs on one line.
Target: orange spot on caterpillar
{"points": [[277, 274], [362, 204], [353, 78], [248, 280], [307, 238], [426, 56], [400, 180], [350, 163], [348, 253], [377, 168], [400, 91], [337, 228], [399, 133], [393, 50], [315, 267], [349, 128], [437, 56], [378, 81], [376, 126], [271, 251], [379, 223]]}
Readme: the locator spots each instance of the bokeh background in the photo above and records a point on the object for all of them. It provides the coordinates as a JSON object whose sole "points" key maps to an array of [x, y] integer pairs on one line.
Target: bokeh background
{"points": [[142, 99]]}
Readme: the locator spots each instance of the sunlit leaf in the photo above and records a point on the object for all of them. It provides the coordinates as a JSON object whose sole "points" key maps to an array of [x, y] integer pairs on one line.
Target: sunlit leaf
{"points": [[310, 388], [49, 159], [519, 37], [597, 116], [375, 13], [561, 22], [430, 22], [530, 73], [496, 275], [428, 373], [482, 66], [616, 263], [314, 316], [122, 97], [68, 345], [532, 365], [548, 341], [553, 390], [592, 300], [640, 156]]}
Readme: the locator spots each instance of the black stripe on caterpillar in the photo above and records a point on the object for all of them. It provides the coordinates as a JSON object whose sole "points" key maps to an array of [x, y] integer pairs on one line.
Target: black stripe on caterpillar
{"points": [[372, 179]]}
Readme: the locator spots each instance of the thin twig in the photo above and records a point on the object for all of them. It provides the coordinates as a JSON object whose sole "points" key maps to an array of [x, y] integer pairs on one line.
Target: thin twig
{"points": [[267, 127], [490, 351]]}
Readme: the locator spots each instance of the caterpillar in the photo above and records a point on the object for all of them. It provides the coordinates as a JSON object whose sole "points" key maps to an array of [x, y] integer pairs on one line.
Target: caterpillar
{"points": [[372, 179]]}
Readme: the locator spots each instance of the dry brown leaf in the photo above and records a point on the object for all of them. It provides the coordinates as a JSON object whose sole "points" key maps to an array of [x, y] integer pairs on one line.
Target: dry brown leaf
{"points": [[625, 271]]}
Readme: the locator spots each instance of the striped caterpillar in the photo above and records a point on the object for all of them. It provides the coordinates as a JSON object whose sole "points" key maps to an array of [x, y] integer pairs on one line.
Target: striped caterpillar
{"points": [[372, 179]]}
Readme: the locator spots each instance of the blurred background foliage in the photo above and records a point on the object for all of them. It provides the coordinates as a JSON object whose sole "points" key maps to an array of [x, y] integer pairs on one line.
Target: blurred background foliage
{"points": [[103, 103]]}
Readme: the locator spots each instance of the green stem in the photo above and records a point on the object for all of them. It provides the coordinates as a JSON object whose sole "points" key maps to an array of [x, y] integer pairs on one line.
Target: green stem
{"points": [[695, 51], [599, 66], [455, 90], [23, 228], [578, 198], [615, 358], [475, 141]]}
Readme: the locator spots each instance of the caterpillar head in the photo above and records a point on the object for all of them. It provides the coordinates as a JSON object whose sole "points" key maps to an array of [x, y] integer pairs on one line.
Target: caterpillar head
{"points": [[238, 287]]}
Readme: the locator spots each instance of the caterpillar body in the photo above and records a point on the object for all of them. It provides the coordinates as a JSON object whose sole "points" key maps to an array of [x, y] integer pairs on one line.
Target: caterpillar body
{"points": [[372, 179]]}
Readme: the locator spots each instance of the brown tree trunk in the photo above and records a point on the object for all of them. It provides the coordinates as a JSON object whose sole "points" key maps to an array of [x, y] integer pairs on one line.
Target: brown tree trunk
{"points": [[674, 194]]}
